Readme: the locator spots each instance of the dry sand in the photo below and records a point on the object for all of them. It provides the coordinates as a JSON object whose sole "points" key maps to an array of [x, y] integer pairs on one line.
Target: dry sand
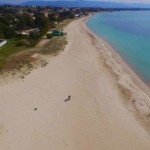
{"points": [[96, 117]]}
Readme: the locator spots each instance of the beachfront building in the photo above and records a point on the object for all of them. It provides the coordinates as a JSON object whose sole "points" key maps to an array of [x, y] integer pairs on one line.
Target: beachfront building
{"points": [[27, 32], [2, 42], [57, 33]]}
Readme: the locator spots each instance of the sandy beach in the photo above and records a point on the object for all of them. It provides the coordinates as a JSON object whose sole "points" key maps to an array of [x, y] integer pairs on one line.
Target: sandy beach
{"points": [[107, 101]]}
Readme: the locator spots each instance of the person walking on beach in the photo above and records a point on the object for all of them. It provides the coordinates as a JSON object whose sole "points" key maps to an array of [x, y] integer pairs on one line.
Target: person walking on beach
{"points": [[68, 99]]}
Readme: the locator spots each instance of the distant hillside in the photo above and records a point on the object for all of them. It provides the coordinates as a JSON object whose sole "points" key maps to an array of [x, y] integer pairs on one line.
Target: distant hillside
{"points": [[2, 3], [65, 3], [85, 4]]}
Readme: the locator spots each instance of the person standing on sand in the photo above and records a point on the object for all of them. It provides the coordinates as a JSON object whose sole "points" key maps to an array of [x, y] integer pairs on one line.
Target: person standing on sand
{"points": [[69, 97]]}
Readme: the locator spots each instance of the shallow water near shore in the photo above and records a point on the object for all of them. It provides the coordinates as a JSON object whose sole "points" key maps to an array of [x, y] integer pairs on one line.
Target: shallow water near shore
{"points": [[129, 33]]}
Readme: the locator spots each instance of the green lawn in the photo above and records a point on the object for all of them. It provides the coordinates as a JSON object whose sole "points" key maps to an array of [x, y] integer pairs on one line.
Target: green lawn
{"points": [[8, 49]]}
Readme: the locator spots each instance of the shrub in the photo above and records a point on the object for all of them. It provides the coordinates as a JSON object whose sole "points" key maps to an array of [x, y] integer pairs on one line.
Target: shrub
{"points": [[34, 35], [49, 35], [2, 36], [21, 42], [33, 43]]}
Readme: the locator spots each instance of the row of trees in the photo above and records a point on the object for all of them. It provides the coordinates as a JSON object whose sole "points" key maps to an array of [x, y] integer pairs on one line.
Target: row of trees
{"points": [[9, 24], [14, 19]]}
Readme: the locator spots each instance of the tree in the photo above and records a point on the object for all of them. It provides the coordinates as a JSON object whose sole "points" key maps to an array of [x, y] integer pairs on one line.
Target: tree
{"points": [[52, 24], [4, 20], [21, 42], [2, 36], [9, 32], [29, 20], [2, 26], [6, 30], [42, 23], [49, 35], [34, 35], [53, 17], [21, 24]]}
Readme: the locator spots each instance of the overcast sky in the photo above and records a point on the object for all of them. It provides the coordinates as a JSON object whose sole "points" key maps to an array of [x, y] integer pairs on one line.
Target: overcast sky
{"points": [[125, 1]]}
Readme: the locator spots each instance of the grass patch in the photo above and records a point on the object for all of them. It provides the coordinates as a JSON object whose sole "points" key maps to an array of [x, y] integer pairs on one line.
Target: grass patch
{"points": [[14, 57], [8, 49], [17, 60], [63, 24], [53, 47]]}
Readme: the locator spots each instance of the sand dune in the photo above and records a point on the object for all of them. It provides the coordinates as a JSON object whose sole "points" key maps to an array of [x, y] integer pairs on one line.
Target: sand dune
{"points": [[95, 118]]}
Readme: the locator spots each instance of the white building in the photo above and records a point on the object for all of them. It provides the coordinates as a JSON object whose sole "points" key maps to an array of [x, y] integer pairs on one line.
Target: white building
{"points": [[2, 42]]}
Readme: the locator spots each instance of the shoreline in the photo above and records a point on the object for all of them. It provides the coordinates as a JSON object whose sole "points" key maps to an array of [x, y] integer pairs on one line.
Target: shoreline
{"points": [[129, 66], [133, 77], [34, 113], [118, 56]]}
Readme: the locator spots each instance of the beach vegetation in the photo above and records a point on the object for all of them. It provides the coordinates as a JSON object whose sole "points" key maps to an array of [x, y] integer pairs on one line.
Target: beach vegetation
{"points": [[42, 23], [49, 35], [9, 49], [25, 27]]}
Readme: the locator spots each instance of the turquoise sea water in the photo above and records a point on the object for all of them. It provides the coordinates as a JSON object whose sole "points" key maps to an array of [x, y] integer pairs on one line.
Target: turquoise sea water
{"points": [[129, 33]]}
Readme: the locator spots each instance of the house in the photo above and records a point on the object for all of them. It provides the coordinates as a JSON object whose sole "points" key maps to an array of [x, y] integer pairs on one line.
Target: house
{"points": [[2, 42], [27, 32], [45, 13], [76, 16]]}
